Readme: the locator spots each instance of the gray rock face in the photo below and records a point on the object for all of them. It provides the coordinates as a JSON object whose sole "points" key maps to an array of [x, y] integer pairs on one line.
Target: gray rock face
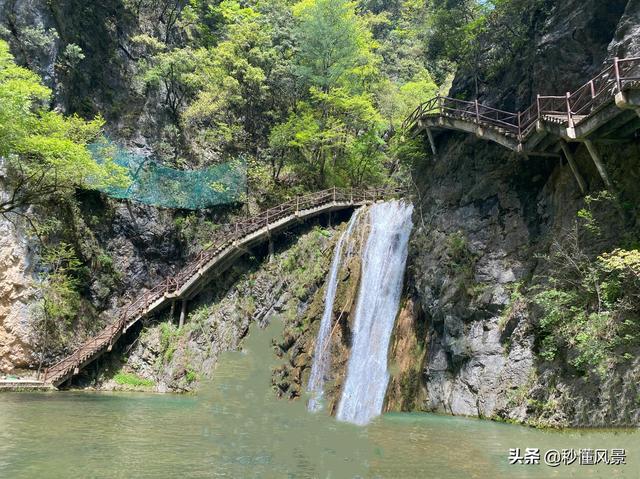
{"points": [[626, 42], [483, 214], [18, 290], [466, 257], [29, 23], [17, 294]]}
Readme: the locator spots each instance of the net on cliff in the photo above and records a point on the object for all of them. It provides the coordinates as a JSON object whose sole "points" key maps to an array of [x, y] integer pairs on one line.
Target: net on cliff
{"points": [[155, 184]]}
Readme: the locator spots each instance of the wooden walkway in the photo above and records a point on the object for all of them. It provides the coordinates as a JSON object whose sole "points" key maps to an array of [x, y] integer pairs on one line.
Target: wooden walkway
{"points": [[20, 385], [606, 109], [231, 243]]}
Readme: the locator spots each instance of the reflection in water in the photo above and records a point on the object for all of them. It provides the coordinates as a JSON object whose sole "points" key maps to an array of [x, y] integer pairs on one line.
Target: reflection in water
{"points": [[235, 428]]}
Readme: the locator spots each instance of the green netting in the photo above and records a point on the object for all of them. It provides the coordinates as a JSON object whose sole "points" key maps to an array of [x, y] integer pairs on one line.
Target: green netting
{"points": [[155, 184]]}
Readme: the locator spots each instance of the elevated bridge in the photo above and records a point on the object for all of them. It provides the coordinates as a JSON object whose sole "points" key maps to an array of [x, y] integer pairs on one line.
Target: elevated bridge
{"points": [[232, 242], [606, 108]]}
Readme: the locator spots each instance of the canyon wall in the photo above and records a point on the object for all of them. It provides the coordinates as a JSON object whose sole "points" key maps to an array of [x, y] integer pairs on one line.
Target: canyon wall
{"points": [[484, 219]]}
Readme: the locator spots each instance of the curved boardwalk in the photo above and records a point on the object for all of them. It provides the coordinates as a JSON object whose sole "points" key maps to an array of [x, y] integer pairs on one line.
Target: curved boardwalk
{"points": [[232, 243], [606, 108]]}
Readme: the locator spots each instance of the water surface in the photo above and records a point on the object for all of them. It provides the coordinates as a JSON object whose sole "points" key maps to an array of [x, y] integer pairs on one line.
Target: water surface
{"points": [[235, 428]]}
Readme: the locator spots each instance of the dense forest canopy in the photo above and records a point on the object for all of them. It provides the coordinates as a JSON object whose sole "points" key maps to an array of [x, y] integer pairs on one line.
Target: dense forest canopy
{"points": [[307, 94], [303, 88], [311, 93]]}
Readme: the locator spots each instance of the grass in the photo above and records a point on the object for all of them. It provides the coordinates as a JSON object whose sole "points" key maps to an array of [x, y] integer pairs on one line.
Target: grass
{"points": [[129, 379]]}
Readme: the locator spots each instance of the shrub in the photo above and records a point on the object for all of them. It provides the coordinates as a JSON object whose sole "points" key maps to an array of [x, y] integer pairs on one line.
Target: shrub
{"points": [[191, 375], [589, 306], [168, 338]]}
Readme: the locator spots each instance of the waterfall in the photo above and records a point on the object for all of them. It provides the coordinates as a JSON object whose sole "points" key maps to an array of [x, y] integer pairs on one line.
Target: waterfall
{"points": [[321, 355], [383, 265]]}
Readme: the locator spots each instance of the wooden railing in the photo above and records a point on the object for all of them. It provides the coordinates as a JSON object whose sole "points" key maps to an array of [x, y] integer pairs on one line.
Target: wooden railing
{"points": [[229, 234], [570, 108]]}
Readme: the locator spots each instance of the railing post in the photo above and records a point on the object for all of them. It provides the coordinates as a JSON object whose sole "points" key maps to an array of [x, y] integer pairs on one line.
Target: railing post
{"points": [[334, 194], [569, 117], [538, 104], [593, 89], [519, 127], [441, 104], [477, 111], [616, 68]]}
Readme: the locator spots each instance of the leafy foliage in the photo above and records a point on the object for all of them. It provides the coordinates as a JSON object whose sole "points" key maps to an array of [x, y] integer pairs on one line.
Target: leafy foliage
{"points": [[335, 44], [45, 154], [590, 313], [60, 292], [300, 90]]}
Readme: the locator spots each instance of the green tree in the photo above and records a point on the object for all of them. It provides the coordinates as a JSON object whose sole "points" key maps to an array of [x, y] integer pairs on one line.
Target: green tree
{"points": [[335, 44], [44, 155], [452, 28], [333, 136], [173, 71], [230, 103], [60, 297], [397, 100]]}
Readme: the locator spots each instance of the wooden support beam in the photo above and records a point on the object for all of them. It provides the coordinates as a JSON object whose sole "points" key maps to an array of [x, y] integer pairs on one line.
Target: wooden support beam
{"points": [[595, 156], [431, 141], [172, 311], [183, 313], [271, 249], [574, 167]]}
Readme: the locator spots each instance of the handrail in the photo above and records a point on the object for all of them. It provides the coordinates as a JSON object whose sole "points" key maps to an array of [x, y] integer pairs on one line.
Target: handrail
{"points": [[570, 108], [230, 233]]}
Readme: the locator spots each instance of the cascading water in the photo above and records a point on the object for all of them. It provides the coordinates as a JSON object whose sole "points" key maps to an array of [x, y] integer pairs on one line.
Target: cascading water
{"points": [[321, 356], [383, 266]]}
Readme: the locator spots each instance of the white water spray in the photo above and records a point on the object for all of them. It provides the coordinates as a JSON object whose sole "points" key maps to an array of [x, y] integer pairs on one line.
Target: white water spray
{"points": [[383, 266], [322, 353]]}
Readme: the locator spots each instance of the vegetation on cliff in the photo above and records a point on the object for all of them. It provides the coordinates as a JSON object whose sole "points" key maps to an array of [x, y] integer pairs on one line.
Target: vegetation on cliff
{"points": [[308, 94], [311, 94], [44, 153]]}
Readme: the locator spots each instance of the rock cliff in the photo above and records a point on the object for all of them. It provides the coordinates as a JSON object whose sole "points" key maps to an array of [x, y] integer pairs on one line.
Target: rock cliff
{"points": [[467, 337], [484, 218], [17, 292]]}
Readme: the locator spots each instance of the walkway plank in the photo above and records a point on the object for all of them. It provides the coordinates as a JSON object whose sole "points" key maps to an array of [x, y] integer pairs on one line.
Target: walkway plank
{"points": [[232, 243], [576, 116]]}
